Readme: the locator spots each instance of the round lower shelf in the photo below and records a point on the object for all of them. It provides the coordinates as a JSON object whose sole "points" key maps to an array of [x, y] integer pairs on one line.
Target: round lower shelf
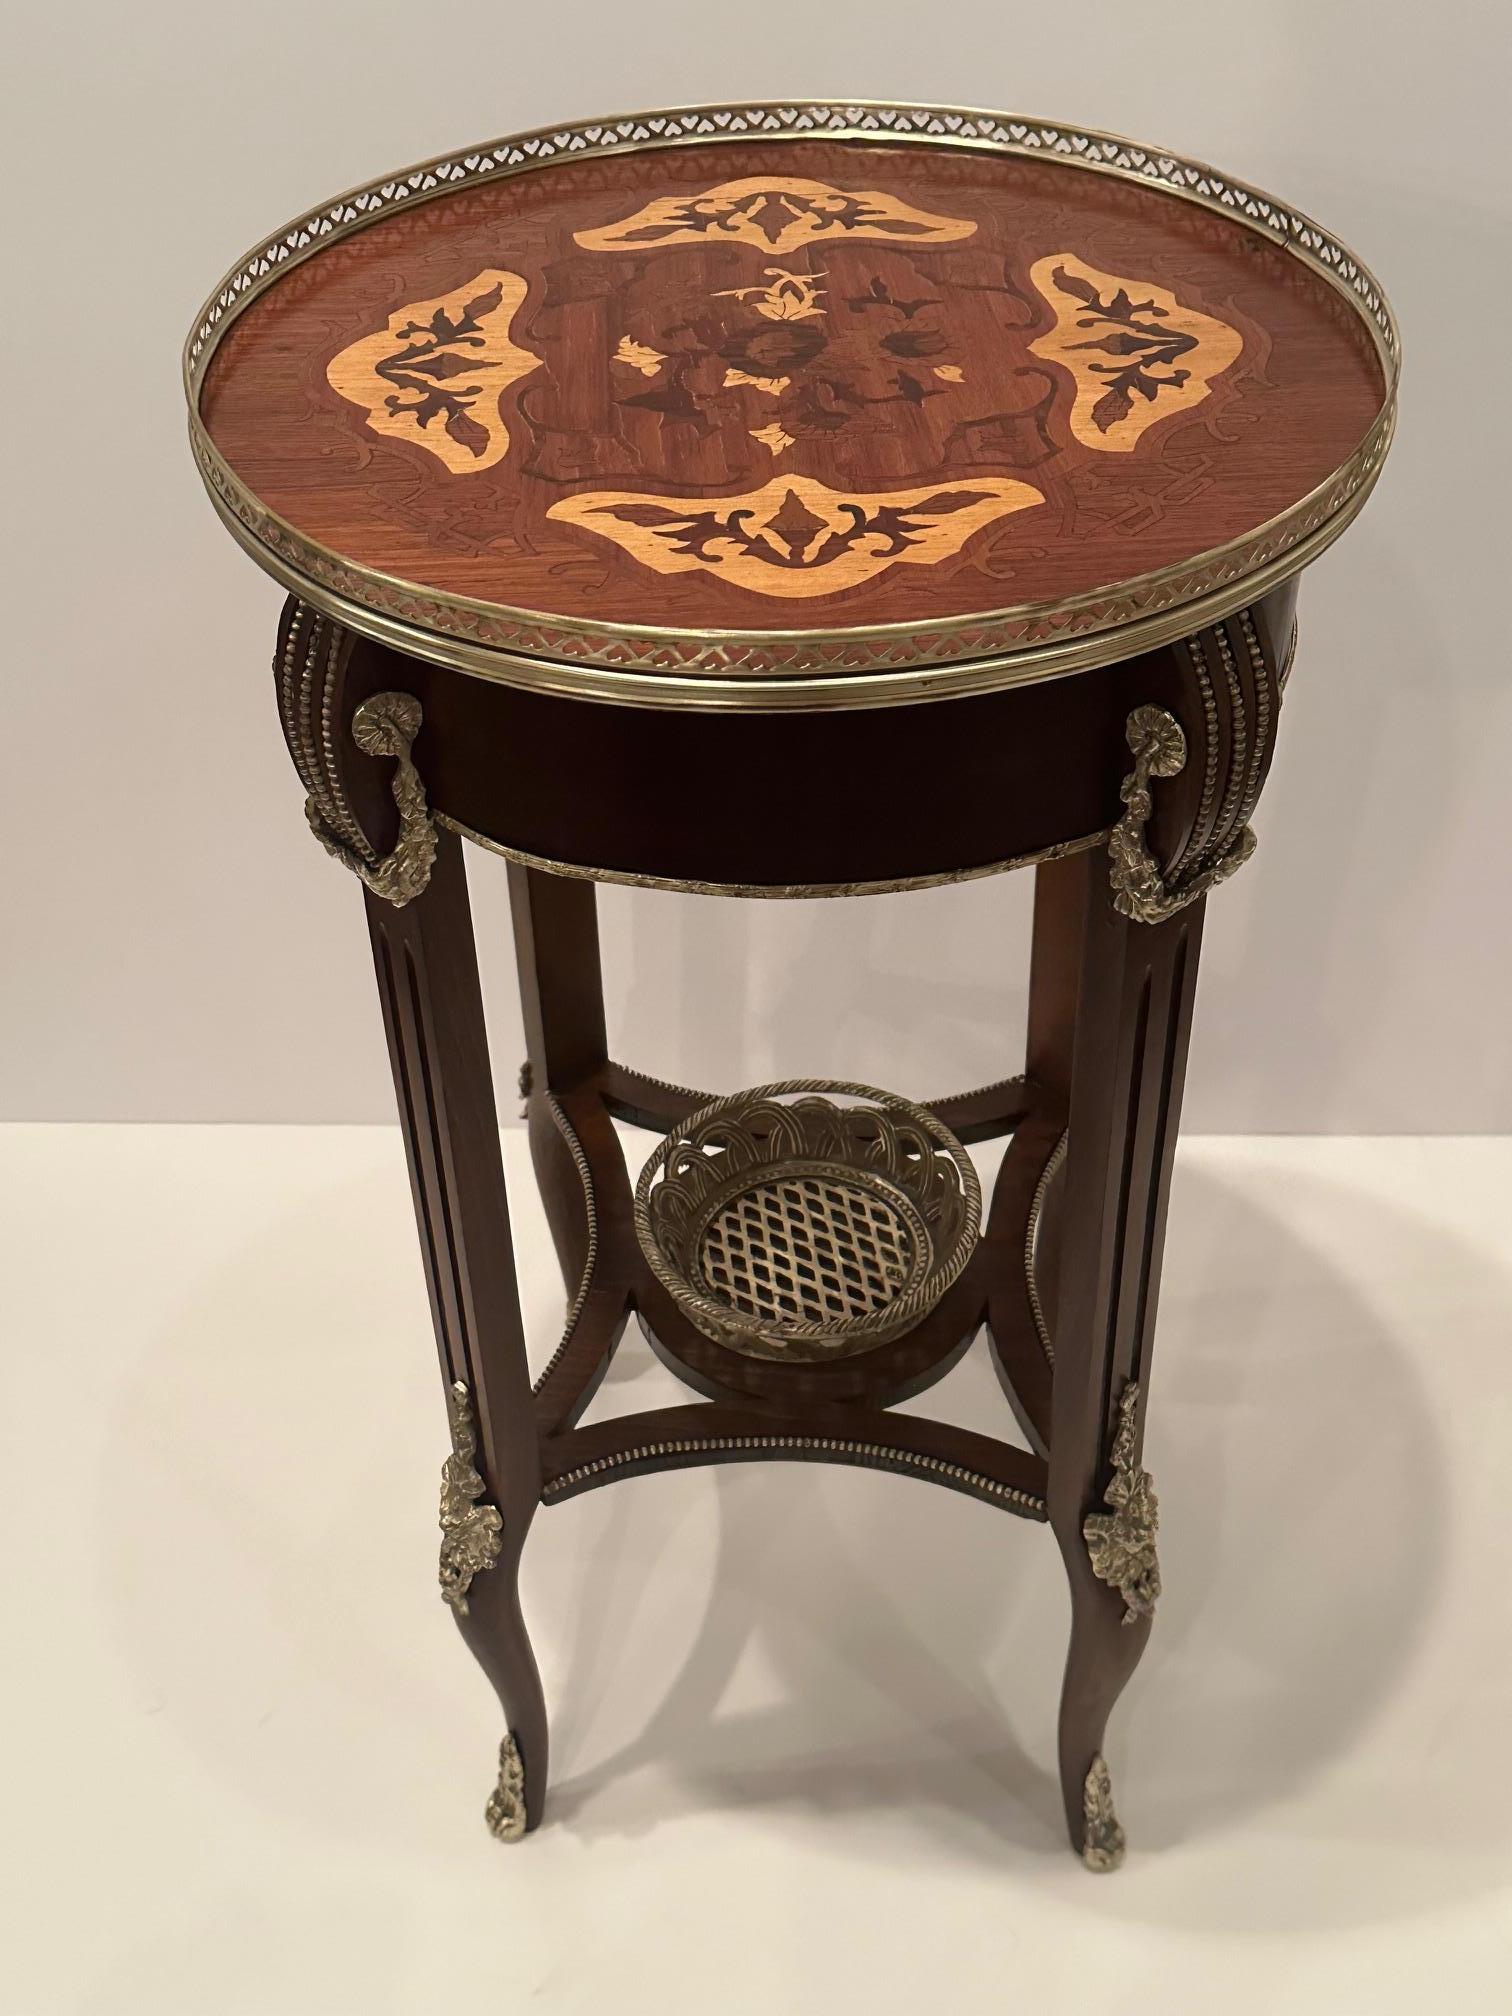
{"points": [[807, 1219]]}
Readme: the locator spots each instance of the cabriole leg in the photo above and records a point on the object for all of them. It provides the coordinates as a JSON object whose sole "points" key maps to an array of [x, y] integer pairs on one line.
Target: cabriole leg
{"points": [[562, 1007], [433, 1010], [1128, 1061]]}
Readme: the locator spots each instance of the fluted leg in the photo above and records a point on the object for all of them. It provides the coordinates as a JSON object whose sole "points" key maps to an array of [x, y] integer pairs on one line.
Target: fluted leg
{"points": [[562, 1007], [433, 1010], [1127, 1061]]}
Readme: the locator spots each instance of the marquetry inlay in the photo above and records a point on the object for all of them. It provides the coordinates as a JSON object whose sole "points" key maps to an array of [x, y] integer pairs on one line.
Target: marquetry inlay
{"points": [[775, 213], [794, 536], [777, 384], [1136, 353], [435, 374]]}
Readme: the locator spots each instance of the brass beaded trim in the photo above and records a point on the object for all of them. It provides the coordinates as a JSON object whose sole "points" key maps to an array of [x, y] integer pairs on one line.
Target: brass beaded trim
{"points": [[874, 1455], [1197, 653], [306, 667], [590, 1260], [1252, 644], [1239, 753], [1031, 1234]]}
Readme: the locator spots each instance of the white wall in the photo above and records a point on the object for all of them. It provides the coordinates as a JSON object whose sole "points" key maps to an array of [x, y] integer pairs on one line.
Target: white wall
{"points": [[178, 948]]}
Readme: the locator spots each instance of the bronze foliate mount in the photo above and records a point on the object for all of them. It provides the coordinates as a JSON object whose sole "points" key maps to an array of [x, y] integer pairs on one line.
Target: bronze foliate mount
{"points": [[505, 1811], [1140, 890], [471, 1533], [386, 725], [1121, 1541], [1103, 1840]]}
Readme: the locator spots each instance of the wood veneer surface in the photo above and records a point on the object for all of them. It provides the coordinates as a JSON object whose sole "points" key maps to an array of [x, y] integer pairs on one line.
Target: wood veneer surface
{"points": [[790, 385]]}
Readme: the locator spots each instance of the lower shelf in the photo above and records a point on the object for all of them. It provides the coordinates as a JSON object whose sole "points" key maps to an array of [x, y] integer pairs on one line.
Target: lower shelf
{"points": [[807, 1220], [778, 1407]]}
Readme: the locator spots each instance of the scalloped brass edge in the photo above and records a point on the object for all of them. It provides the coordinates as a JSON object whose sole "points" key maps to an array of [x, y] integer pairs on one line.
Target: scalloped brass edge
{"points": [[1120, 620]]}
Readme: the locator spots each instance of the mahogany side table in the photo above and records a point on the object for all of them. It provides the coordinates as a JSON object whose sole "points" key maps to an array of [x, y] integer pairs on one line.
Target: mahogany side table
{"points": [[795, 500]]}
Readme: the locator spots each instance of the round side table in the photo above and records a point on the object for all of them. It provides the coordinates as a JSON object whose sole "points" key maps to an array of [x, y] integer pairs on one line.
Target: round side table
{"points": [[795, 500]]}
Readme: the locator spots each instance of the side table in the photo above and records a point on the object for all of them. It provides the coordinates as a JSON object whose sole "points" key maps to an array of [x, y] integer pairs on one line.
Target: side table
{"points": [[792, 501]]}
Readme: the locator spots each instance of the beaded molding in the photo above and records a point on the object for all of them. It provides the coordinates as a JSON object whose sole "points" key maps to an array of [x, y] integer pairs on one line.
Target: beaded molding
{"points": [[870, 1455]]}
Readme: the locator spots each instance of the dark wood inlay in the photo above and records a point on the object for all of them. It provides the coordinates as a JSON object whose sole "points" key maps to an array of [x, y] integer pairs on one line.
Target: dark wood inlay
{"points": [[790, 384]]}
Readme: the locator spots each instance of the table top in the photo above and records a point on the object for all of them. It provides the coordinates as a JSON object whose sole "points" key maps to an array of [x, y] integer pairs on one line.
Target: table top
{"points": [[792, 406]]}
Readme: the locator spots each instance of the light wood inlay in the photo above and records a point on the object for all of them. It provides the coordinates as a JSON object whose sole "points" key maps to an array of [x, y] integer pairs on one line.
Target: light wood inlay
{"points": [[778, 213], [796, 537], [1135, 352], [433, 374], [868, 326]]}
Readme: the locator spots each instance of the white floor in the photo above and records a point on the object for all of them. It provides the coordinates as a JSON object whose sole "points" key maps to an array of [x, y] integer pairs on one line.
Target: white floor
{"points": [[803, 1719]]}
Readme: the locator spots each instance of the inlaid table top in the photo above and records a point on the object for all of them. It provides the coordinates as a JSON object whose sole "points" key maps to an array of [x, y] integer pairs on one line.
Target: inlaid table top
{"points": [[777, 406]]}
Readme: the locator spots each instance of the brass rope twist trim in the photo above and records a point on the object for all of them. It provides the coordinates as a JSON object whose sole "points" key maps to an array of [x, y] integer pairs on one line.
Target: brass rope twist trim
{"points": [[386, 725], [1140, 890]]}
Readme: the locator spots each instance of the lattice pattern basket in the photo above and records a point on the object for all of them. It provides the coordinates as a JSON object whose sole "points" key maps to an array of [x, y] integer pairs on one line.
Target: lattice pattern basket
{"points": [[787, 1225]]}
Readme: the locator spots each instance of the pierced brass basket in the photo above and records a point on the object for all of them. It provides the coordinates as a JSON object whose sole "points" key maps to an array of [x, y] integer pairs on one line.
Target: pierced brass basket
{"points": [[785, 1225]]}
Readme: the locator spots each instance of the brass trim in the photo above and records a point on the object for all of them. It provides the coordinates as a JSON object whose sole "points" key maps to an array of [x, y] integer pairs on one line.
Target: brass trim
{"points": [[1121, 1541], [1140, 890], [590, 1258], [386, 725], [695, 1098], [843, 1448], [909, 1160], [505, 1811], [864, 666], [1290, 659], [1103, 1840], [1018, 1078], [471, 1529], [778, 891], [1047, 1176]]}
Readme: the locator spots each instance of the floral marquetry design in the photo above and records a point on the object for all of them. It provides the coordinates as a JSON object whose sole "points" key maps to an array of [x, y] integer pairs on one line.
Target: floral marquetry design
{"points": [[787, 297], [434, 373], [440, 404], [1137, 355], [834, 353], [796, 536], [776, 214]]}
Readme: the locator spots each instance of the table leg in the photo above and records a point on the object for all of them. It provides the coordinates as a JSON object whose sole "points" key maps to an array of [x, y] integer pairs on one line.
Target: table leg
{"points": [[433, 1011], [562, 1006], [1054, 977], [1127, 1063]]}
